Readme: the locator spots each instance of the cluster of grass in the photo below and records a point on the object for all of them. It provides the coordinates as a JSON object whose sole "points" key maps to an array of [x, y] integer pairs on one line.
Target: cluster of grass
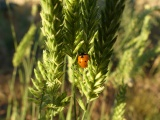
{"points": [[136, 60], [133, 70]]}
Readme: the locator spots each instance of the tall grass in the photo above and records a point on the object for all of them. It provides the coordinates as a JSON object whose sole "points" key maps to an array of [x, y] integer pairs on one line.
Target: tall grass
{"points": [[73, 28], [23, 62]]}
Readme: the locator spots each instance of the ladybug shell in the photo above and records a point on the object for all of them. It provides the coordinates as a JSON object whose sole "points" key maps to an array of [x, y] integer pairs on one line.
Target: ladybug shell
{"points": [[82, 60]]}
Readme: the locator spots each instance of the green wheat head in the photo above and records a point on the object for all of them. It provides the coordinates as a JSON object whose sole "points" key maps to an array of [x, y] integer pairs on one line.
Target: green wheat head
{"points": [[99, 33], [49, 73], [119, 109], [23, 48], [73, 27]]}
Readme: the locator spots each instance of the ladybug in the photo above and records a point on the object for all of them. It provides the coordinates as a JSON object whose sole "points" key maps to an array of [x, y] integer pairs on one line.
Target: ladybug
{"points": [[83, 59]]}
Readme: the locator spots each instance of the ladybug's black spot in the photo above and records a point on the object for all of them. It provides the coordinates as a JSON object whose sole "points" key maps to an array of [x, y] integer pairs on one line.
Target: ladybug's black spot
{"points": [[85, 61]]}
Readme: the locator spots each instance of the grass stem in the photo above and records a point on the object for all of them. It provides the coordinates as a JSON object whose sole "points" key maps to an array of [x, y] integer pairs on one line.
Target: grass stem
{"points": [[11, 92], [74, 97], [86, 112]]}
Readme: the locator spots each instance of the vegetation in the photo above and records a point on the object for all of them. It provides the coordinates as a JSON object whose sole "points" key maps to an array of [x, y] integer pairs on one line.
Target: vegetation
{"points": [[123, 62]]}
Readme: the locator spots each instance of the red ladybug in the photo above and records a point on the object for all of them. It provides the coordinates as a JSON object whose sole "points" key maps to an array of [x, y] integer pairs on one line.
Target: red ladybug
{"points": [[83, 59]]}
